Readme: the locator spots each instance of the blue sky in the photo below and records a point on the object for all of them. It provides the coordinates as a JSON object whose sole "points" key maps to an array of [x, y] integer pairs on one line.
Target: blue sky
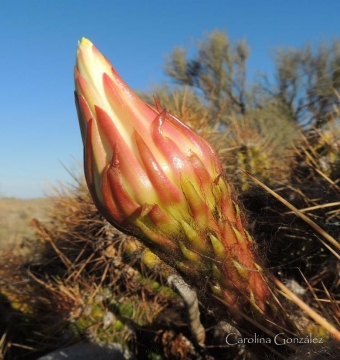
{"points": [[38, 38]]}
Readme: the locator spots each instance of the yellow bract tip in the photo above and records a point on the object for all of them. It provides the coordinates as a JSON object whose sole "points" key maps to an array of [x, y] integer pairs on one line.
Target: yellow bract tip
{"points": [[84, 42]]}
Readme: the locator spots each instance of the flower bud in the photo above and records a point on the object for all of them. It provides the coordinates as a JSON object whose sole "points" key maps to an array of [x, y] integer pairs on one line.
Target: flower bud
{"points": [[154, 177]]}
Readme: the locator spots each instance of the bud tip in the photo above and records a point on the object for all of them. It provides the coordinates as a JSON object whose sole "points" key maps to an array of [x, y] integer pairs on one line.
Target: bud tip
{"points": [[84, 42]]}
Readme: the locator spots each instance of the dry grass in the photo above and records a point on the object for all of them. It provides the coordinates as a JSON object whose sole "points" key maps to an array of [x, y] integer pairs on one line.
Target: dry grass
{"points": [[16, 215]]}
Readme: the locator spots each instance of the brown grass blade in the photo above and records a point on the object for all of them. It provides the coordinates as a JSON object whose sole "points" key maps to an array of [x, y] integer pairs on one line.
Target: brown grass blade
{"points": [[309, 311], [315, 226]]}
